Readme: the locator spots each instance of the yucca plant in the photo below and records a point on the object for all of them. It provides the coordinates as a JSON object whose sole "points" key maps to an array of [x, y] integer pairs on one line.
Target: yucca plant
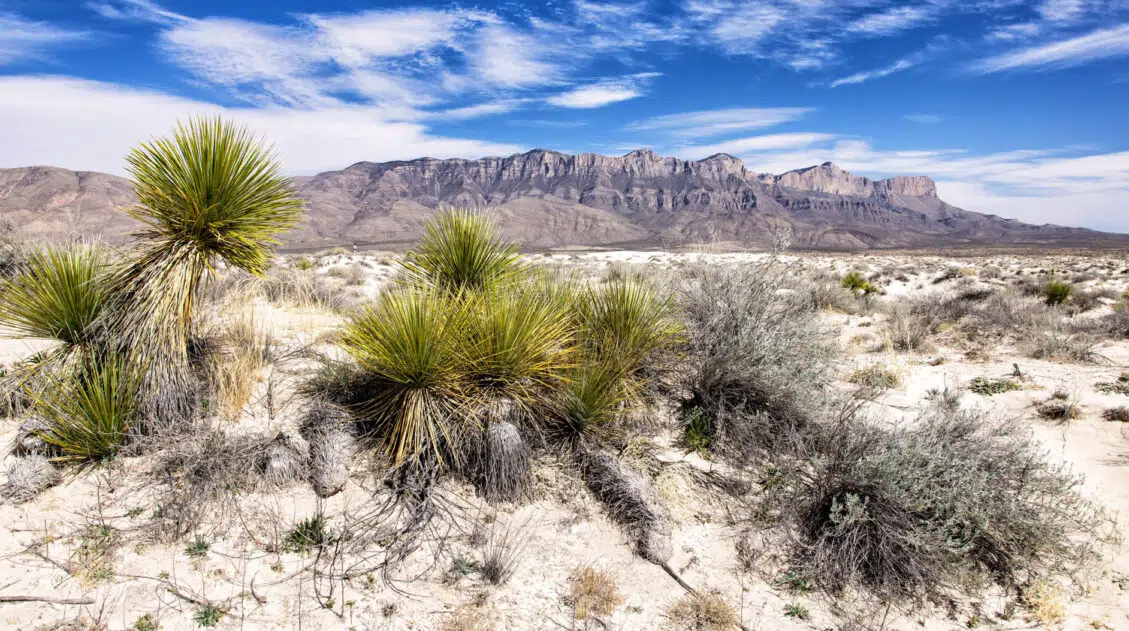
{"points": [[627, 322], [407, 344], [591, 401], [460, 249], [88, 412], [211, 192], [518, 340], [57, 294]]}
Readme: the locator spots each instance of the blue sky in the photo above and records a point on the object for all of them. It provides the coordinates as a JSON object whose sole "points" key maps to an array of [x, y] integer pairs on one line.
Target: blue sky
{"points": [[1015, 107]]}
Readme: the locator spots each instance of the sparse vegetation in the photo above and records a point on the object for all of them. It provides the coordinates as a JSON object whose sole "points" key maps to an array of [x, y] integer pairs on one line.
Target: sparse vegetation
{"points": [[875, 377], [1056, 292], [306, 535], [1119, 414]]}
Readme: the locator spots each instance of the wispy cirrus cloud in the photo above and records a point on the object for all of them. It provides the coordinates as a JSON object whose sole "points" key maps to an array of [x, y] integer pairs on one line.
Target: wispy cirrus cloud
{"points": [[893, 20], [877, 73], [1100, 44], [925, 119], [702, 124], [22, 39], [603, 93]]}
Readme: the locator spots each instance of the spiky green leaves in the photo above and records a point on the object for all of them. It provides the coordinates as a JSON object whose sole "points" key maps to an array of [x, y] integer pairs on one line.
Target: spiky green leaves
{"points": [[57, 295], [407, 344], [87, 414], [626, 322], [461, 250], [216, 189]]}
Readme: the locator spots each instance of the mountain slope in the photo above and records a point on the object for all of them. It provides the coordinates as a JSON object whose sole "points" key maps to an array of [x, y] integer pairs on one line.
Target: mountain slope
{"points": [[550, 199]]}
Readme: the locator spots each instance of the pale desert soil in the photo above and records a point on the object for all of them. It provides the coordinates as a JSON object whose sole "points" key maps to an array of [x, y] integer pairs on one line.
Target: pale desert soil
{"points": [[260, 587]]}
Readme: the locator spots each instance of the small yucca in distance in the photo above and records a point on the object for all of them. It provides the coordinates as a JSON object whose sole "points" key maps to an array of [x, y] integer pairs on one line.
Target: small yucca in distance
{"points": [[461, 250]]}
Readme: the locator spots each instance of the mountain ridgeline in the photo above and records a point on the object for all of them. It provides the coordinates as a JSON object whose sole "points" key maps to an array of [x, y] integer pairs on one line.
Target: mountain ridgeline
{"points": [[547, 199]]}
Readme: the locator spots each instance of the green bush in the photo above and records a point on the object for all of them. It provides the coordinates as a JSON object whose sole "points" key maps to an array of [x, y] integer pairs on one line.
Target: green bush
{"points": [[987, 386], [1057, 292], [857, 284]]}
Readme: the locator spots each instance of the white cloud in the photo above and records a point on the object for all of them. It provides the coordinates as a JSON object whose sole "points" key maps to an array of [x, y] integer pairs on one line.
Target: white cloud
{"points": [[1061, 10], [715, 122], [40, 118], [591, 96], [143, 10], [925, 119], [1099, 44], [869, 75], [22, 39], [892, 21], [766, 142]]}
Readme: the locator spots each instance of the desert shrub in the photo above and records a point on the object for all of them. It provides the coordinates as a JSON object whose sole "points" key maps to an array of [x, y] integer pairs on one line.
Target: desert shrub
{"points": [[304, 264], [592, 593], [283, 286], [1084, 300], [924, 512], [628, 323], [1121, 386], [857, 284], [950, 273], [907, 329], [1050, 337], [1056, 292], [1118, 414], [828, 294], [351, 275], [702, 612], [875, 377], [758, 357], [988, 386], [1060, 407]]}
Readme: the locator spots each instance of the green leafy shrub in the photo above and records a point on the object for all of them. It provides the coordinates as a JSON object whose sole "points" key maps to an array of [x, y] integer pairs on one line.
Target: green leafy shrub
{"points": [[857, 284], [460, 249], [1057, 292], [988, 386]]}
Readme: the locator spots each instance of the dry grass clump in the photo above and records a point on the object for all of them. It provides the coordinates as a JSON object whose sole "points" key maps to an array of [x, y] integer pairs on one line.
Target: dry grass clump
{"points": [[875, 377], [702, 612], [592, 593], [470, 617], [1119, 414], [923, 513], [244, 349], [758, 357], [29, 476], [1046, 602], [505, 546], [351, 275]]}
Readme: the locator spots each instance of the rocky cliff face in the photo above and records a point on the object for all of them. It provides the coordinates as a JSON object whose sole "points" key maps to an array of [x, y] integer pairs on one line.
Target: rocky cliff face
{"points": [[551, 199]]}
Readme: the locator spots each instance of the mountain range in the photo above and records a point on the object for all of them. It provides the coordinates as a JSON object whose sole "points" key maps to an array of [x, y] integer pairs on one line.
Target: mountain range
{"points": [[547, 199]]}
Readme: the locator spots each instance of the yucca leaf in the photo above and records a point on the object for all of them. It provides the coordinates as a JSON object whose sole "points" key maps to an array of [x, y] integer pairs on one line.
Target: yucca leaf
{"points": [[628, 322]]}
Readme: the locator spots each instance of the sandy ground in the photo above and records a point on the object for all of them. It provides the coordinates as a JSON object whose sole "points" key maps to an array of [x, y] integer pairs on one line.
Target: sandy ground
{"points": [[260, 587]]}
